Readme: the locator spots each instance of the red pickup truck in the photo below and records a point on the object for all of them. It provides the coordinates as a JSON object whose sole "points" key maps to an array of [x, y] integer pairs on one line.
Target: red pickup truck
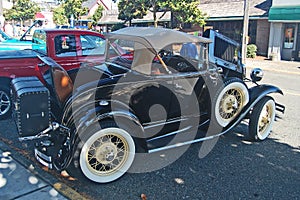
{"points": [[69, 48]]}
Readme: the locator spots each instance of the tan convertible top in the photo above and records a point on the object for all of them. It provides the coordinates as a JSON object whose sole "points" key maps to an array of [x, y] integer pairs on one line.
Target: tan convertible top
{"points": [[155, 38], [149, 41]]}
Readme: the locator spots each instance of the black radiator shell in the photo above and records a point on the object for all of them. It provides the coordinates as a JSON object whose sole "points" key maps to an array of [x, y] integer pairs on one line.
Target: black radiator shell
{"points": [[31, 105]]}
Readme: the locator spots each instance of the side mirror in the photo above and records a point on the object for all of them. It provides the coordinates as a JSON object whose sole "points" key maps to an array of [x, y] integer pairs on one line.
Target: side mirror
{"points": [[256, 74]]}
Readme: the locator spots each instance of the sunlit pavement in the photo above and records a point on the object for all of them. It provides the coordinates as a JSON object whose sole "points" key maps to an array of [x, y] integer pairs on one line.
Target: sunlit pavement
{"points": [[20, 182], [17, 182]]}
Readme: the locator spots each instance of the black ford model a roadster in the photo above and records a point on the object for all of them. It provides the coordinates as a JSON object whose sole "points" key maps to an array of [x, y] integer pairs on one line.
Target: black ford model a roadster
{"points": [[158, 89]]}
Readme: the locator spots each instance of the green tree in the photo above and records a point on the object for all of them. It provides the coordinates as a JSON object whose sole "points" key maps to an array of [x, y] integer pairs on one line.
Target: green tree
{"points": [[186, 12], [74, 7], [132, 9], [22, 10], [59, 16], [68, 8], [183, 11], [97, 15]]}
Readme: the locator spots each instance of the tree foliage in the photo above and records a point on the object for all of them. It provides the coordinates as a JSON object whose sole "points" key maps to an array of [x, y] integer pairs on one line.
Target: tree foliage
{"points": [[183, 11], [74, 7], [132, 9], [22, 10], [186, 12], [97, 15], [67, 8], [59, 16]]}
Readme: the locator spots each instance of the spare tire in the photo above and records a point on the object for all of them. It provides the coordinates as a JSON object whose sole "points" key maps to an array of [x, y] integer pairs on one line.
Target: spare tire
{"points": [[229, 101]]}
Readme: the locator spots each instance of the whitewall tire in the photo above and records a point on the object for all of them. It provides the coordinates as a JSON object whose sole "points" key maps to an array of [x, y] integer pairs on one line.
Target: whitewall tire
{"points": [[229, 101], [262, 119]]}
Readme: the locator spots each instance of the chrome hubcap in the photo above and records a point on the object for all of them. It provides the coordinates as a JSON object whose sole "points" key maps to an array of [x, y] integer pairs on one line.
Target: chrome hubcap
{"points": [[4, 103], [230, 103]]}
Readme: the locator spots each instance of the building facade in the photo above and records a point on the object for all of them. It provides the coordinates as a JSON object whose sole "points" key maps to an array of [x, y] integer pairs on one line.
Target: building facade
{"points": [[284, 41], [227, 16]]}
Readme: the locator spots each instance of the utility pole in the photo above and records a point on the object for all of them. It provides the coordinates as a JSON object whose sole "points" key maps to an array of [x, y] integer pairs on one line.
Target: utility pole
{"points": [[245, 30]]}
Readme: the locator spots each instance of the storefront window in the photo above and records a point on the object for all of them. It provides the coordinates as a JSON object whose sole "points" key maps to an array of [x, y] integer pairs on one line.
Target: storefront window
{"points": [[289, 33]]}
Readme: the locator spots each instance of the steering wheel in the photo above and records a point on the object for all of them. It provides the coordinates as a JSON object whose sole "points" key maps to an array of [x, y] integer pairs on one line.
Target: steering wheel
{"points": [[164, 53]]}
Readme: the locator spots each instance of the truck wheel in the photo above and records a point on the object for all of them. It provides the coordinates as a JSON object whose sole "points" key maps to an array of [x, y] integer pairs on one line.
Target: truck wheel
{"points": [[229, 101], [5, 103], [262, 119], [104, 154]]}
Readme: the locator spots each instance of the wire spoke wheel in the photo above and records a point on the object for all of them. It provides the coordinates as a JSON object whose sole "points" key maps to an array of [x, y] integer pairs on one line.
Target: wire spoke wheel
{"points": [[262, 119], [231, 103], [230, 100], [106, 154]]}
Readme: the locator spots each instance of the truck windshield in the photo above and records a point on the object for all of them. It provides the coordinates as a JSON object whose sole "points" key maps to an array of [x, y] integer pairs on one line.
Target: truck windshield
{"points": [[39, 42]]}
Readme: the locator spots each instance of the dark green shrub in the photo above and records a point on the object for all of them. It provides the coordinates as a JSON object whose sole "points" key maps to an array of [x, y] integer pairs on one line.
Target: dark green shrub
{"points": [[251, 51]]}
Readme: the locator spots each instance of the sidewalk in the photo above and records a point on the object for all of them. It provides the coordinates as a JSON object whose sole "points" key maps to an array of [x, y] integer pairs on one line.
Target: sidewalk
{"points": [[17, 182], [292, 67]]}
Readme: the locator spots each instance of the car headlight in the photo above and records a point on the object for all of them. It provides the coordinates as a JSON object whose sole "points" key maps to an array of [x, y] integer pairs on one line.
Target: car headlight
{"points": [[256, 74]]}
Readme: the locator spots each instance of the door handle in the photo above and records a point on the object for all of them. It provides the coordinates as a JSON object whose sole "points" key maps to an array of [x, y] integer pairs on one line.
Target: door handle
{"points": [[179, 87]]}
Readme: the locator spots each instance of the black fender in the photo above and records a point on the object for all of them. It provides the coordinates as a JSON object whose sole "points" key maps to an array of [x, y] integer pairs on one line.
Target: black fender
{"points": [[256, 93], [89, 114], [96, 111]]}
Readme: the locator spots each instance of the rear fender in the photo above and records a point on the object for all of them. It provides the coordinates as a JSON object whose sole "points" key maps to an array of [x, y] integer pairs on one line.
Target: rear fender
{"points": [[90, 114]]}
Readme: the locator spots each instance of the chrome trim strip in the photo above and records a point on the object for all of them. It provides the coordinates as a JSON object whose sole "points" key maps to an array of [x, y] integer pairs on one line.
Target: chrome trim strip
{"points": [[155, 124], [184, 143], [169, 134], [175, 132]]}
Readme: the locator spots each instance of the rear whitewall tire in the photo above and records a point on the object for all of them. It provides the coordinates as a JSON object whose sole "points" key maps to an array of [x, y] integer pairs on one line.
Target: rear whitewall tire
{"points": [[107, 154]]}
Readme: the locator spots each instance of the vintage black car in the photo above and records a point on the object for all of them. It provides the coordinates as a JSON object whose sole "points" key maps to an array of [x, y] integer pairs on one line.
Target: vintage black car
{"points": [[164, 90]]}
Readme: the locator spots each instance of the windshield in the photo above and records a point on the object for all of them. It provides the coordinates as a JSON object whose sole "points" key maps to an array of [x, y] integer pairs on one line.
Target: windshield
{"points": [[136, 56], [4, 36]]}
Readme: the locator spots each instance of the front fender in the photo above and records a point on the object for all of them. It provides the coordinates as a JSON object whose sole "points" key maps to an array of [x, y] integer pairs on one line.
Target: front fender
{"points": [[258, 92]]}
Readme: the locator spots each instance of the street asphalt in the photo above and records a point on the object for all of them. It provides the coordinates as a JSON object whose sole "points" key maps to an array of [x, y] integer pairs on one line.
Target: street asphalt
{"points": [[19, 179]]}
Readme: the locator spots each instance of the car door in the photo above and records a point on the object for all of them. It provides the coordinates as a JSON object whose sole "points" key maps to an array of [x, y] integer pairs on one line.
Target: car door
{"points": [[151, 98]]}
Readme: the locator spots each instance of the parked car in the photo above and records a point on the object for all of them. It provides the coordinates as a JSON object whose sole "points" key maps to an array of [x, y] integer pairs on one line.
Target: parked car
{"points": [[151, 98], [24, 42], [68, 47]]}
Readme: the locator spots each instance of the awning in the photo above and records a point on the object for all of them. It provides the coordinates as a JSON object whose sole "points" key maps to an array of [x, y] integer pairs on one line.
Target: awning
{"points": [[288, 14], [39, 15]]}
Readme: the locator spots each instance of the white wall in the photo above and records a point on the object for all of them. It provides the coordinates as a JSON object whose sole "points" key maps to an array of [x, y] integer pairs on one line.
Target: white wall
{"points": [[282, 3]]}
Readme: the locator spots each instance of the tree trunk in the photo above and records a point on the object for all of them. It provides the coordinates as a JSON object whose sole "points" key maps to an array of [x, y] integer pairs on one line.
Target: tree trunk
{"points": [[154, 13]]}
